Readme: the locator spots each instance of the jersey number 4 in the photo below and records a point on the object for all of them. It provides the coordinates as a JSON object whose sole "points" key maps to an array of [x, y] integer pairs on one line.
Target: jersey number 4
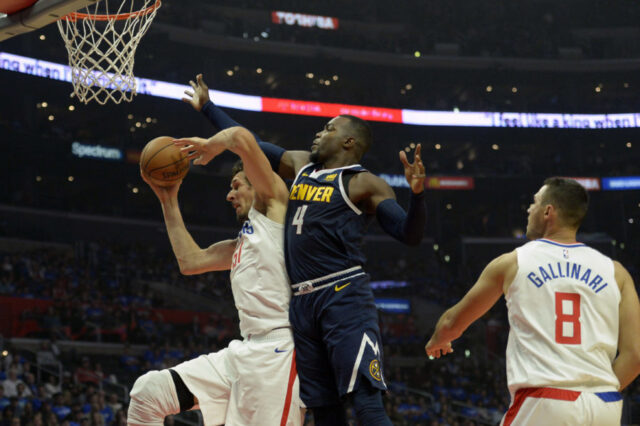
{"points": [[298, 218], [568, 329]]}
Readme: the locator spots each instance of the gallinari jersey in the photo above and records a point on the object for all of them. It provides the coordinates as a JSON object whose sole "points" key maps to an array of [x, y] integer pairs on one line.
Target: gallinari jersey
{"points": [[259, 283], [324, 229], [563, 313]]}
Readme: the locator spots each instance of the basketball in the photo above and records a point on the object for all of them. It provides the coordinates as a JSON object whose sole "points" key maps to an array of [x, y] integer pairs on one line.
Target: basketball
{"points": [[163, 162]]}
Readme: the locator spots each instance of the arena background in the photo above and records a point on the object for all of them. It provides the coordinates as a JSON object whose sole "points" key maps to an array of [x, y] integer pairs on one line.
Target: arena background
{"points": [[90, 294]]}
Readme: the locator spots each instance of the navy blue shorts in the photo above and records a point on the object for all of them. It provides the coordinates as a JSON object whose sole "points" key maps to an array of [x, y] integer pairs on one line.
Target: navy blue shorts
{"points": [[337, 340]]}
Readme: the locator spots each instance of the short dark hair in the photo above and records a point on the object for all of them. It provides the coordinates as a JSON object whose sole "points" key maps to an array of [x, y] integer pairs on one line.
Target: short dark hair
{"points": [[569, 197], [362, 132], [238, 167]]}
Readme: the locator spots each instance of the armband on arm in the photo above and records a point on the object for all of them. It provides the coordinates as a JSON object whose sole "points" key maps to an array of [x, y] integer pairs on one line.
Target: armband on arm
{"points": [[407, 227], [273, 152], [222, 121], [217, 117]]}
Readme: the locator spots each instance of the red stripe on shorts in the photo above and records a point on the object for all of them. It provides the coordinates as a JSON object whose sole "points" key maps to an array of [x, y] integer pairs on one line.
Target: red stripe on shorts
{"points": [[287, 402], [549, 393]]}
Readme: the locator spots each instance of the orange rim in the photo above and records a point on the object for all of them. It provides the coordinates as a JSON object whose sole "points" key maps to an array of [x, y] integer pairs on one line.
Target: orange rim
{"points": [[74, 16]]}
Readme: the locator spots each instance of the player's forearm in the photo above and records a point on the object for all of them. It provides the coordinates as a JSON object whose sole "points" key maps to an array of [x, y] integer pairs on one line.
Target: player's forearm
{"points": [[416, 219], [447, 328], [407, 227], [217, 117], [184, 247], [240, 141], [220, 119], [626, 367]]}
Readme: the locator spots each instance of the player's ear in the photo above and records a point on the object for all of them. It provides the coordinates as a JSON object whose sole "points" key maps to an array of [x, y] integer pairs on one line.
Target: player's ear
{"points": [[349, 143], [548, 209]]}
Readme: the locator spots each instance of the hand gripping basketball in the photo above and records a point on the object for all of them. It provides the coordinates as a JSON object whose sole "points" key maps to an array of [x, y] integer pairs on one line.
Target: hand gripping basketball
{"points": [[200, 150], [162, 162]]}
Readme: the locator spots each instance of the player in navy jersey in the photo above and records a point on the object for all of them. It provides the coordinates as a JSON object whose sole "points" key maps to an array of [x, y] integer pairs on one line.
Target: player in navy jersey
{"points": [[333, 313]]}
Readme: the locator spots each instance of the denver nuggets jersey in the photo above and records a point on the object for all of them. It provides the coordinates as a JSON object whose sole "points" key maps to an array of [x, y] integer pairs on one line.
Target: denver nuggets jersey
{"points": [[324, 228], [259, 282], [563, 313]]}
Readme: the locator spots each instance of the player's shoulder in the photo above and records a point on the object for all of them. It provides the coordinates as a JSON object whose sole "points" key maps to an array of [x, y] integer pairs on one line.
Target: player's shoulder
{"points": [[505, 260], [621, 273], [355, 168], [367, 184], [544, 244], [364, 176]]}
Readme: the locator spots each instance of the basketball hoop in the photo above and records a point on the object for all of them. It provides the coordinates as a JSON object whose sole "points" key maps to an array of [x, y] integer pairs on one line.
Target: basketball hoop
{"points": [[102, 46]]}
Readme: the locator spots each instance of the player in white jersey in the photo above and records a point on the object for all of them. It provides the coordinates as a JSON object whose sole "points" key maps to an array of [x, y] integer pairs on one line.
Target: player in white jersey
{"points": [[253, 381], [570, 310]]}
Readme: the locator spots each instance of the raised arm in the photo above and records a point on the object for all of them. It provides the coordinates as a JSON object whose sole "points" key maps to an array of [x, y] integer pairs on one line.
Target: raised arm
{"points": [[627, 364], [376, 196], [285, 163], [271, 192], [482, 296], [267, 184], [192, 259]]}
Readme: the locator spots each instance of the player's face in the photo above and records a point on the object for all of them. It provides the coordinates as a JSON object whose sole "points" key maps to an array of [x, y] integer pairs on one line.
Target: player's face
{"points": [[535, 220], [329, 140], [240, 196]]}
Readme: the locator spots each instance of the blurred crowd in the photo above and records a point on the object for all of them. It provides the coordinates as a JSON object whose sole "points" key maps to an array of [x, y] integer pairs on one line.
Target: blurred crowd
{"points": [[75, 398], [465, 388], [81, 299]]}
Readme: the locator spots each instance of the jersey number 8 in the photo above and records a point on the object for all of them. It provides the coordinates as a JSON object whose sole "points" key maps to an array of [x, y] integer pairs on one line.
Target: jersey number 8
{"points": [[568, 318]]}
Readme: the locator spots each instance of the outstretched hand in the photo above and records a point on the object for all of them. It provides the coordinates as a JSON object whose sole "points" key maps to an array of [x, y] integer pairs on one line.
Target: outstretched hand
{"points": [[164, 193], [200, 150], [200, 94], [414, 172], [437, 350]]}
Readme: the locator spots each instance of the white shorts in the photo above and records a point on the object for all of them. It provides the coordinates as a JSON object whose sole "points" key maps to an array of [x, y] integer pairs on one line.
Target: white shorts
{"points": [[252, 382], [561, 407]]}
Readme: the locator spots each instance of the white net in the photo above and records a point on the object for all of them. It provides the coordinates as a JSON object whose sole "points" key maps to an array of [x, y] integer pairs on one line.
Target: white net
{"points": [[102, 44]]}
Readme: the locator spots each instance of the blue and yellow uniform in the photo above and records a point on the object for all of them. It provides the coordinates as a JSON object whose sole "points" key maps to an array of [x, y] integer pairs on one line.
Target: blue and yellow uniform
{"points": [[332, 310]]}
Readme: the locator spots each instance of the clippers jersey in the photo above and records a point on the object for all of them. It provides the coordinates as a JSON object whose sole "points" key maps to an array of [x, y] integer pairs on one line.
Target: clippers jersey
{"points": [[564, 314], [259, 282], [324, 229]]}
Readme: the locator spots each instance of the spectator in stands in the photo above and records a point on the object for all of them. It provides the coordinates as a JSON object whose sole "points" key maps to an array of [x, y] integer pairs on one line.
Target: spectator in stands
{"points": [[22, 391], [130, 362], [10, 385], [84, 373], [6, 283], [13, 361], [98, 373], [60, 409], [45, 355], [30, 382], [96, 418], [104, 408], [77, 416], [52, 387], [112, 401]]}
